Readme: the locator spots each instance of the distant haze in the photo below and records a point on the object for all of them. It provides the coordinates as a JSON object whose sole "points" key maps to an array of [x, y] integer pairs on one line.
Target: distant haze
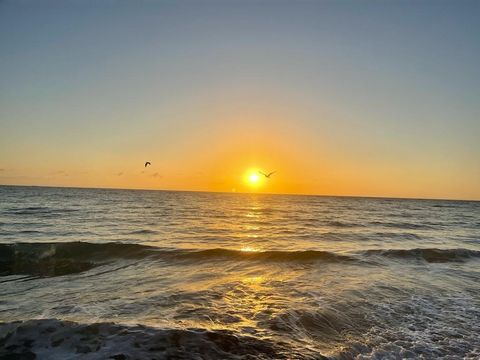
{"points": [[365, 98]]}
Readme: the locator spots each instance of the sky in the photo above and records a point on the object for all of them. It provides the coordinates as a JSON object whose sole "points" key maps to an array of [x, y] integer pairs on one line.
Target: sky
{"points": [[362, 98]]}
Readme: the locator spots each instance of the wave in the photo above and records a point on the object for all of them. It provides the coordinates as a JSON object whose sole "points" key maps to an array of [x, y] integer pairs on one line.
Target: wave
{"points": [[56, 338], [445, 206], [29, 232], [54, 259], [143, 232], [402, 225], [428, 254], [342, 224], [431, 255], [273, 255], [38, 210], [325, 324]]}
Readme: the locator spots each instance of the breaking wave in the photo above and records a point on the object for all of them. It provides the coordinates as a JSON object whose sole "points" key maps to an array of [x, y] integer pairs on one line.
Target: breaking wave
{"points": [[54, 259]]}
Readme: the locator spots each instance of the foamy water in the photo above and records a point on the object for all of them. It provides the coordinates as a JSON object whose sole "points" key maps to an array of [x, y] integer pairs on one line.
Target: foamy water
{"points": [[150, 274]]}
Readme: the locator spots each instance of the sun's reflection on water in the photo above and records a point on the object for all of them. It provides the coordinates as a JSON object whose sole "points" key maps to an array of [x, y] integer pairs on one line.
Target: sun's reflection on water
{"points": [[249, 249]]}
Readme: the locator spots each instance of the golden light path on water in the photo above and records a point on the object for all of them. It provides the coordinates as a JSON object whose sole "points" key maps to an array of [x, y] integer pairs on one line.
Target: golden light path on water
{"points": [[249, 249]]}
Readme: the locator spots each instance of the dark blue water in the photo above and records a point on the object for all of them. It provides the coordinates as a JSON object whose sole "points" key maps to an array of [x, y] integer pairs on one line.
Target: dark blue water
{"points": [[88, 273]]}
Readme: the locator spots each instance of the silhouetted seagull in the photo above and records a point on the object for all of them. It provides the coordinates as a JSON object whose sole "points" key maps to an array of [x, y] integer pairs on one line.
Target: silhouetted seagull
{"points": [[147, 163], [267, 175]]}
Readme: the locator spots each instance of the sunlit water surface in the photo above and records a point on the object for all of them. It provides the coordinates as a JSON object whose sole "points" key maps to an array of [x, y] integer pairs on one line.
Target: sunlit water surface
{"points": [[286, 276]]}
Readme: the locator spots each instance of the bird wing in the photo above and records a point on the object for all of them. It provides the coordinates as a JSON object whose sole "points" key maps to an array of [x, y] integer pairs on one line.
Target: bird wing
{"points": [[273, 172], [262, 173]]}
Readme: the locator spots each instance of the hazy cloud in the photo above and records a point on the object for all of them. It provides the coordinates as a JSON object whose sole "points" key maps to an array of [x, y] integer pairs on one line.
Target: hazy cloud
{"points": [[120, 173]]}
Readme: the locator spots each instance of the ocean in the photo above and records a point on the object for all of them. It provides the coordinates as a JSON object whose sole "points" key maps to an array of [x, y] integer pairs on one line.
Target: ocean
{"points": [[130, 274]]}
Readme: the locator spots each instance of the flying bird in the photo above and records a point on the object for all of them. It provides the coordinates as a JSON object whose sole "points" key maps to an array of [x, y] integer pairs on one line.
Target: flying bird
{"points": [[267, 175], [148, 163]]}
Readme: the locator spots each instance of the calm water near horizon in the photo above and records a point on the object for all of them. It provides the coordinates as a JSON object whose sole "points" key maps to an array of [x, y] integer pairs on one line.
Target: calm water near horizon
{"points": [[94, 273]]}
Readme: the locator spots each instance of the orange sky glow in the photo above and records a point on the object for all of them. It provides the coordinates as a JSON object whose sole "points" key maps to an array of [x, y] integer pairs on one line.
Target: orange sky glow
{"points": [[207, 93]]}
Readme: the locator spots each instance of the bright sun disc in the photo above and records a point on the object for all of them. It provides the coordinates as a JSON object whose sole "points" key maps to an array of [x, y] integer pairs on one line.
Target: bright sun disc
{"points": [[253, 178]]}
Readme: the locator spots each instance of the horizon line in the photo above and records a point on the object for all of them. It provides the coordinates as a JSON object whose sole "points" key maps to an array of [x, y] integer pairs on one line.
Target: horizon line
{"points": [[244, 193]]}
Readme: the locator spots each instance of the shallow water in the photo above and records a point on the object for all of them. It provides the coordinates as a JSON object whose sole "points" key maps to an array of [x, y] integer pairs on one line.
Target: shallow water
{"points": [[210, 275]]}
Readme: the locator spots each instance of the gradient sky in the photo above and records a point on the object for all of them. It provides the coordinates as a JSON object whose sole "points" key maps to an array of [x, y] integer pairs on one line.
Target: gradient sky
{"points": [[377, 98]]}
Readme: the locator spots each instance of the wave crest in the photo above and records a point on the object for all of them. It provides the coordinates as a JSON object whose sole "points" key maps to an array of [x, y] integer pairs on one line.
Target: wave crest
{"points": [[428, 254], [54, 259], [273, 255]]}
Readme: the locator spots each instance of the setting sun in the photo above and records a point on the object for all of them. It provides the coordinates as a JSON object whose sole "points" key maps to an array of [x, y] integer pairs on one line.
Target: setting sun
{"points": [[252, 177]]}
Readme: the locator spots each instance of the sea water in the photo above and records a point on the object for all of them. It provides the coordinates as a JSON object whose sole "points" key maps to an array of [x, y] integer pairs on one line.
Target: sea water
{"points": [[128, 274]]}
